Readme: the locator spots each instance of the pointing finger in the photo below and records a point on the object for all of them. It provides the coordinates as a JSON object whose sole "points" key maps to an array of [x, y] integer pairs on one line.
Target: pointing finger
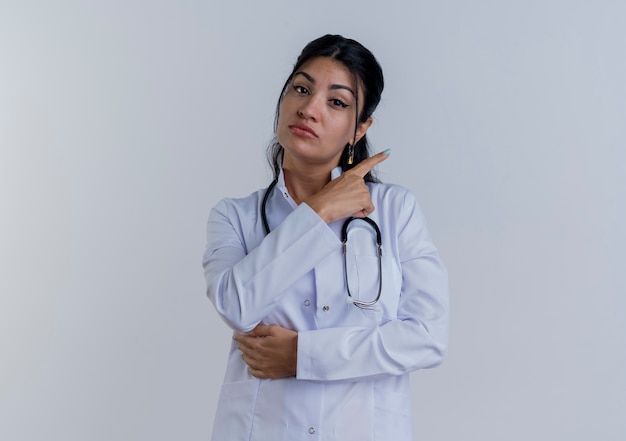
{"points": [[363, 167]]}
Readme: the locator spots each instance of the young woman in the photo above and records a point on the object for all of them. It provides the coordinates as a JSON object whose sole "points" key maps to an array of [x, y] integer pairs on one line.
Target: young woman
{"points": [[328, 278]]}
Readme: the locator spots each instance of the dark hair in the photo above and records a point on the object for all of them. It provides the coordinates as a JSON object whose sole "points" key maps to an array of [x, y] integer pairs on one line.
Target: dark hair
{"points": [[366, 71]]}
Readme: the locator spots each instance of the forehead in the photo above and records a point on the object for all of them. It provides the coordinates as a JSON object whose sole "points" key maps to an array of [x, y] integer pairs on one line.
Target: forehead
{"points": [[325, 69]]}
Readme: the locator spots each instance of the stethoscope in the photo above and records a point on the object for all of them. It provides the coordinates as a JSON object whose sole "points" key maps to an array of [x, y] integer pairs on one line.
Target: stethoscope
{"points": [[344, 240]]}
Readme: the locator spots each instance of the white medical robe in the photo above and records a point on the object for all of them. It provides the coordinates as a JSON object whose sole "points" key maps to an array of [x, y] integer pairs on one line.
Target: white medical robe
{"points": [[353, 367]]}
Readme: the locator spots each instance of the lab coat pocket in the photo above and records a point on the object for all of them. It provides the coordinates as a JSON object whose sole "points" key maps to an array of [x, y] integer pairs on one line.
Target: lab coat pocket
{"points": [[235, 410], [365, 278]]}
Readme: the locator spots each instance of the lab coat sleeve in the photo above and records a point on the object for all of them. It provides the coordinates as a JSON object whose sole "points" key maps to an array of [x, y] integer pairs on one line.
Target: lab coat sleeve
{"points": [[416, 339], [243, 286]]}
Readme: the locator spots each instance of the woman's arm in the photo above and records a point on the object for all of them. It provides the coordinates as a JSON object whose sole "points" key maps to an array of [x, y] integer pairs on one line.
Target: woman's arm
{"points": [[416, 339], [244, 288]]}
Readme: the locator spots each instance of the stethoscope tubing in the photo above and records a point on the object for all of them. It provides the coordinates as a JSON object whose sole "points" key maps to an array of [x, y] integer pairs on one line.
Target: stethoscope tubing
{"points": [[344, 240]]}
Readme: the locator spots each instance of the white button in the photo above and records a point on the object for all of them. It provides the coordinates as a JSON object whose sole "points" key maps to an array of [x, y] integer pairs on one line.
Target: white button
{"points": [[307, 302], [326, 308], [311, 430]]}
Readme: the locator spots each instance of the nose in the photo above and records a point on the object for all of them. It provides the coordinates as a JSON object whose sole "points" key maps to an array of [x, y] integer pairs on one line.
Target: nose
{"points": [[310, 109]]}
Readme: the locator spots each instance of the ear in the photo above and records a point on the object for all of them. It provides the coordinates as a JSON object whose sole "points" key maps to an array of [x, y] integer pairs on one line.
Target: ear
{"points": [[362, 129]]}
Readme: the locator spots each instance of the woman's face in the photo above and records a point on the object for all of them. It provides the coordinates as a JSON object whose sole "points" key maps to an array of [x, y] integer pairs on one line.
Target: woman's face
{"points": [[318, 113]]}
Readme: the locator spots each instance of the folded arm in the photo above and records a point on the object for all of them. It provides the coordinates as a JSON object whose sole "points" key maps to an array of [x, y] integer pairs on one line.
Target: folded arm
{"points": [[243, 286], [416, 339]]}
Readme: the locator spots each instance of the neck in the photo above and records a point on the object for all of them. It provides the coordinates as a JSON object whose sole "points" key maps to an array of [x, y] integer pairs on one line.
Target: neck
{"points": [[304, 183]]}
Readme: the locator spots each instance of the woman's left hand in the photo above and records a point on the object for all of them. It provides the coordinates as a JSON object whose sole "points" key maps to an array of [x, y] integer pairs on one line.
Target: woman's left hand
{"points": [[270, 351]]}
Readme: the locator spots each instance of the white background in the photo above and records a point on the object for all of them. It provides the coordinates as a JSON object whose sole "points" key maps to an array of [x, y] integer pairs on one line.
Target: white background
{"points": [[123, 122]]}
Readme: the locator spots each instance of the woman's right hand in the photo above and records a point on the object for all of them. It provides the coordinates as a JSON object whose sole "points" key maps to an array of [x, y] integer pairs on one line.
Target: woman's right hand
{"points": [[347, 195]]}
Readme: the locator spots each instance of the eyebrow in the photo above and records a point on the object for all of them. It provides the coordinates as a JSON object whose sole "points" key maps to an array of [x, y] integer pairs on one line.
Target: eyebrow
{"points": [[332, 86]]}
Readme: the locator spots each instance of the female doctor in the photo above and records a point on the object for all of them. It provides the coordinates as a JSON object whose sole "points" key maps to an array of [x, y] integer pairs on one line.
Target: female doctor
{"points": [[325, 332]]}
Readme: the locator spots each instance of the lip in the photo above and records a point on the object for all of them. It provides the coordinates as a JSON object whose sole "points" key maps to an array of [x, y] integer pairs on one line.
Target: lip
{"points": [[303, 130]]}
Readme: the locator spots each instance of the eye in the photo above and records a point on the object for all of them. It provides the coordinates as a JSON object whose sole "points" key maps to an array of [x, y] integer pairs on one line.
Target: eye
{"points": [[301, 89], [338, 103]]}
